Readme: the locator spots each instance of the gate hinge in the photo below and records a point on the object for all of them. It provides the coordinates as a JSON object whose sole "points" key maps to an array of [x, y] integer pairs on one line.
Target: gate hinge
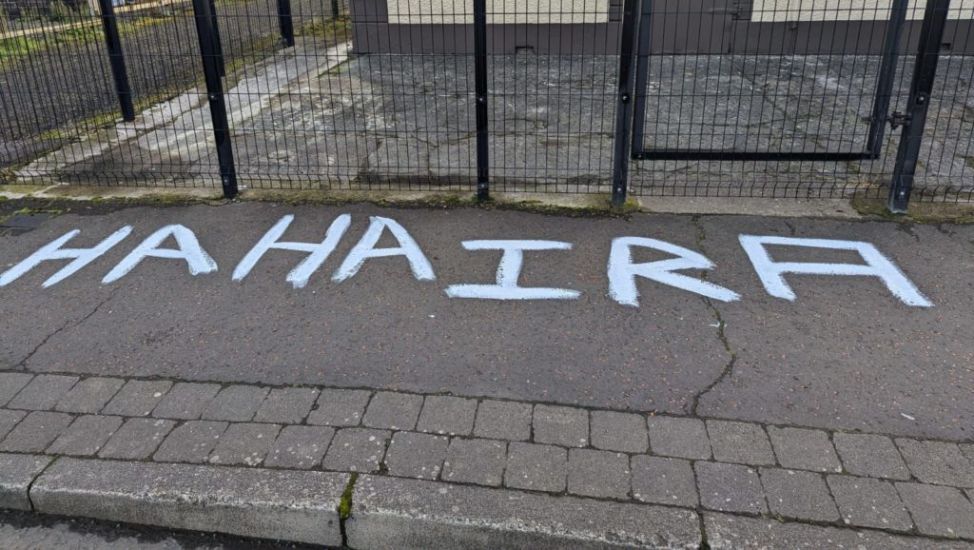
{"points": [[898, 119]]}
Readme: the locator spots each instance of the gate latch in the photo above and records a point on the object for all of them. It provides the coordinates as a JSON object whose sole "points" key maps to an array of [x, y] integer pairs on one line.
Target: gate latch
{"points": [[898, 119]]}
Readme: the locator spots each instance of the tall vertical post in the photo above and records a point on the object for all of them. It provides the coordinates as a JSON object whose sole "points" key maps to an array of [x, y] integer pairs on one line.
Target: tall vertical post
{"points": [[116, 58], [214, 93], [887, 75], [480, 83], [620, 162], [217, 43], [335, 11], [924, 72], [285, 21]]}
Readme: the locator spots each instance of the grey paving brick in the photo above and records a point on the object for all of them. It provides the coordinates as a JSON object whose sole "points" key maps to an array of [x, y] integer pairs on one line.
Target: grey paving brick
{"points": [[137, 397], [870, 455], [479, 461], [17, 472], [417, 455], [730, 487], [186, 401], [356, 450], [299, 447], [740, 442], [798, 494], [287, 405], [244, 444], [35, 432], [85, 436], [11, 383], [563, 426], [503, 420], [191, 442], [663, 481], [340, 407], [43, 392], [613, 431], [968, 450], [137, 439], [447, 415], [598, 473], [937, 510], [391, 410], [867, 502], [537, 467], [90, 395], [804, 449], [678, 437], [727, 532], [9, 419], [937, 462], [236, 403]]}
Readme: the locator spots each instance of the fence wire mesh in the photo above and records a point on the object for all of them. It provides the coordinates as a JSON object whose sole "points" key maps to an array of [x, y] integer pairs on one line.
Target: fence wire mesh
{"points": [[757, 98]]}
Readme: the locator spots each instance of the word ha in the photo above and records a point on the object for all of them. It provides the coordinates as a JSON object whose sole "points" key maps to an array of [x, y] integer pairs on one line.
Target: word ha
{"points": [[623, 273]]}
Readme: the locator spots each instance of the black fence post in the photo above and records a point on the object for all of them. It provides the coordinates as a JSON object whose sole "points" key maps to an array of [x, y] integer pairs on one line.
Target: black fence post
{"points": [[335, 10], [285, 21], [217, 43], [214, 93], [887, 75], [620, 162], [480, 78], [915, 119], [117, 59]]}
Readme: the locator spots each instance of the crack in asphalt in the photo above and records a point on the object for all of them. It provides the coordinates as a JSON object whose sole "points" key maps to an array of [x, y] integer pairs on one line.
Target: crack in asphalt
{"points": [[721, 334], [22, 365]]}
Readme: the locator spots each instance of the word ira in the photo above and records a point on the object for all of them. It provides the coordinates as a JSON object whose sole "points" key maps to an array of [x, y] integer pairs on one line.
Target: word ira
{"points": [[623, 272]]}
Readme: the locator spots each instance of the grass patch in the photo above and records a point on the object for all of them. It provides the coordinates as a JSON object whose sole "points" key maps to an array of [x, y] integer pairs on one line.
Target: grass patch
{"points": [[918, 212]]}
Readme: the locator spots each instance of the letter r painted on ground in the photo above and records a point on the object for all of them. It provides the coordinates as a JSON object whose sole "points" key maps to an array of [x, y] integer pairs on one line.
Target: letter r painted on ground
{"points": [[80, 257], [317, 252], [623, 272], [508, 272], [772, 273]]}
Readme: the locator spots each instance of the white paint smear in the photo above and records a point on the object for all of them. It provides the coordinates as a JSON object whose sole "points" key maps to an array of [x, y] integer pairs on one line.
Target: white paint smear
{"points": [[508, 272], [317, 252], [772, 273], [80, 257], [365, 249], [189, 250], [623, 273]]}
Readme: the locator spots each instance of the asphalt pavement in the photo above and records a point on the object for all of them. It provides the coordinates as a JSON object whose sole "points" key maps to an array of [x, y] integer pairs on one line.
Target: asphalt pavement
{"points": [[845, 354]]}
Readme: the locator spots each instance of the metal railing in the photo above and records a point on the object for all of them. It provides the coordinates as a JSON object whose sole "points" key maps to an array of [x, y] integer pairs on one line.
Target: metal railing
{"points": [[765, 98]]}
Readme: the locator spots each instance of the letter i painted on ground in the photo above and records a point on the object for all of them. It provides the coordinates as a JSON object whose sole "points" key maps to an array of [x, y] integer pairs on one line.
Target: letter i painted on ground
{"points": [[772, 273], [508, 272], [188, 249]]}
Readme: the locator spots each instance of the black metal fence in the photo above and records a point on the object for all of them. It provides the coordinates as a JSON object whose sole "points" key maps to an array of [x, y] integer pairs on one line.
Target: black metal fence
{"points": [[757, 98]]}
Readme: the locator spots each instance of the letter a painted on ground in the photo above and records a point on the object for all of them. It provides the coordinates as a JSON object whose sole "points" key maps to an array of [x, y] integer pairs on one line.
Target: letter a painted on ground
{"points": [[188, 249], [772, 273], [365, 249]]}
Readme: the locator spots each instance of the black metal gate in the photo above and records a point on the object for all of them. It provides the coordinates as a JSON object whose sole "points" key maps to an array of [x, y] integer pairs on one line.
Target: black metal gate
{"points": [[709, 26]]}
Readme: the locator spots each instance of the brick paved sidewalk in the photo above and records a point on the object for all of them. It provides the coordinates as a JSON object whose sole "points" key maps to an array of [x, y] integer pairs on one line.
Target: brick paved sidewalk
{"points": [[692, 467]]}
